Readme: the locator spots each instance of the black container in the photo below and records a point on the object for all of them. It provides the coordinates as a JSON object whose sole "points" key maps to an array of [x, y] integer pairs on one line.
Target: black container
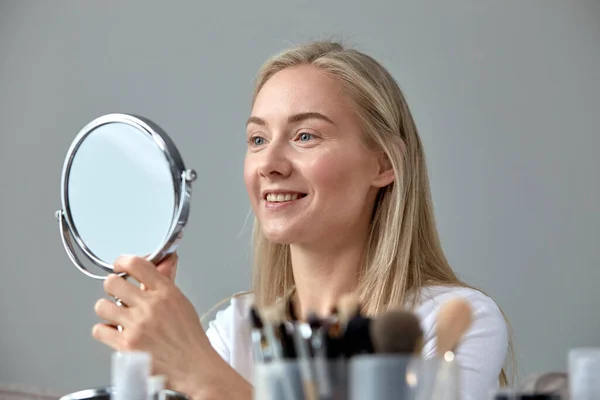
{"points": [[527, 397]]}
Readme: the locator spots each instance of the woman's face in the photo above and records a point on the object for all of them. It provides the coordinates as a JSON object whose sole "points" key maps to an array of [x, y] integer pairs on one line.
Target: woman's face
{"points": [[310, 177]]}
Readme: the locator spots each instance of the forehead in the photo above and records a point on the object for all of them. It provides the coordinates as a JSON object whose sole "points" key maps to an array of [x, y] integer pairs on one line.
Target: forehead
{"points": [[299, 89]]}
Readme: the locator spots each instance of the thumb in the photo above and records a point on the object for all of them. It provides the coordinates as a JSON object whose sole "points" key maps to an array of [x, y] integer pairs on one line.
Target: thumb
{"points": [[168, 267]]}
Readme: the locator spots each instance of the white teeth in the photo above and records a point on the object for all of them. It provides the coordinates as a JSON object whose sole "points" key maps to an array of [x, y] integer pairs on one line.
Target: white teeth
{"points": [[279, 198]]}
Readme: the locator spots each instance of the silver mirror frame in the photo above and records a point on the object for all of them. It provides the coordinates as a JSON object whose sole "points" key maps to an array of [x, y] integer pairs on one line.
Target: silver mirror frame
{"points": [[182, 187]]}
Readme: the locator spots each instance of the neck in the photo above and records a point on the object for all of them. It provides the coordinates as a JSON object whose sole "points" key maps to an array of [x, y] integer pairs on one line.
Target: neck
{"points": [[322, 275]]}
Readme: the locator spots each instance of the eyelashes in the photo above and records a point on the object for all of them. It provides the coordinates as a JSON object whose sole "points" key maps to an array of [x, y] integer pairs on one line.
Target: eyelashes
{"points": [[302, 137]]}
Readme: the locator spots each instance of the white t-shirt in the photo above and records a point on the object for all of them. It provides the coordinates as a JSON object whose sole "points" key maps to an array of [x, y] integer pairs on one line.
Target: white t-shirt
{"points": [[481, 354]]}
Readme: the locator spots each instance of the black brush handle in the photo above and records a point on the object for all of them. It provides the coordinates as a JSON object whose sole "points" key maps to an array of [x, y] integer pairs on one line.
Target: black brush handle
{"points": [[357, 337], [287, 343]]}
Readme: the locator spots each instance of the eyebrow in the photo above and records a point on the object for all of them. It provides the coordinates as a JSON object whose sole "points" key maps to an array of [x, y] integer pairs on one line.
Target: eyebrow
{"points": [[292, 119]]}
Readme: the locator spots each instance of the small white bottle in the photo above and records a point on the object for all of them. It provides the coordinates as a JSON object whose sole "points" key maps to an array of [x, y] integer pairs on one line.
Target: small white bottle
{"points": [[156, 386], [129, 375]]}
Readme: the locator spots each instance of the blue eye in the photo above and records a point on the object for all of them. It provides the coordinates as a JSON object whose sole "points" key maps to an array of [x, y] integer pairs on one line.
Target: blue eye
{"points": [[257, 140], [304, 136]]}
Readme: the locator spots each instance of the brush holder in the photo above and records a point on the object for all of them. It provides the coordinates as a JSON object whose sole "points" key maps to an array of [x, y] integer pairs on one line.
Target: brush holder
{"points": [[396, 377], [513, 394], [373, 377], [381, 377], [284, 380], [584, 364]]}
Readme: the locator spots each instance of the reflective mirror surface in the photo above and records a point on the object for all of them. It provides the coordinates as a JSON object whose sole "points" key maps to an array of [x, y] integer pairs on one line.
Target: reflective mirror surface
{"points": [[120, 192]]}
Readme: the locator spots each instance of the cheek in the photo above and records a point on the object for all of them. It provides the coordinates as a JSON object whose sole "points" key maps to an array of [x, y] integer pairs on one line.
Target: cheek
{"points": [[250, 178], [339, 175]]}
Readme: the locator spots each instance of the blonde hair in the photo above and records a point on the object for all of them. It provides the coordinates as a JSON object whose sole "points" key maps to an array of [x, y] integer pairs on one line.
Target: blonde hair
{"points": [[404, 253]]}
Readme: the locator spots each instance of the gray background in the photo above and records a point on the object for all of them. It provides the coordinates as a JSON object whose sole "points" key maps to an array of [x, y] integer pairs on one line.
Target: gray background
{"points": [[506, 96]]}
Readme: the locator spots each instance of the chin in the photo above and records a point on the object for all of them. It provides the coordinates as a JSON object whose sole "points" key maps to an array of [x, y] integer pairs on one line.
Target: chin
{"points": [[280, 235]]}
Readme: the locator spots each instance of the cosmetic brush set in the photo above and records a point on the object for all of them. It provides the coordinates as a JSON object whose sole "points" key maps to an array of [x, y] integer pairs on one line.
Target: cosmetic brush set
{"points": [[348, 355]]}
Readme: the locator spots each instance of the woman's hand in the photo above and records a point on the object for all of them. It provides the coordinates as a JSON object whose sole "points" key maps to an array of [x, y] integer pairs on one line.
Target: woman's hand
{"points": [[158, 319], [167, 268]]}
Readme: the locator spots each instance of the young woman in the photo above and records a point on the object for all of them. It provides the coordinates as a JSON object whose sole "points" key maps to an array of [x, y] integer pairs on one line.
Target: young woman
{"points": [[336, 176]]}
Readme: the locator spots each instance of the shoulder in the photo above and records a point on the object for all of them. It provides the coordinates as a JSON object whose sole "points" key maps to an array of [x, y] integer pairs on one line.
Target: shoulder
{"points": [[229, 332], [226, 319], [483, 348], [487, 321], [231, 311], [432, 298]]}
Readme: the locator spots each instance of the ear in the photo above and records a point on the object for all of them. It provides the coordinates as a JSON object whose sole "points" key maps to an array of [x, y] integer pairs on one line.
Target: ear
{"points": [[385, 175]]}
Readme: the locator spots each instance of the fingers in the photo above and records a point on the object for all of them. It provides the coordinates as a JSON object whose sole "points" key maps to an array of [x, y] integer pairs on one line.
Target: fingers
{"points": [[109, 311], [168, 267], [123, 290], [151, 278], [108, 335], [142, 270]]}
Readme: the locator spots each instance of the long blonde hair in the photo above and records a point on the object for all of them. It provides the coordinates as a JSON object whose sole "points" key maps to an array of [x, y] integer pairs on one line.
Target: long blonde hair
{"points": [[404, 253]]}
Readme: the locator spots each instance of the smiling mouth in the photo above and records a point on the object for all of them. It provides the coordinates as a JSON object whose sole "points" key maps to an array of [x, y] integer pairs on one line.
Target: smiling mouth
{"points": [[282, 198]]}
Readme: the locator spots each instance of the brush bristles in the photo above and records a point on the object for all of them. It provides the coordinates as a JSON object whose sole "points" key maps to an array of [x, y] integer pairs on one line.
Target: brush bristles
{"points": [[291, 309], [453, 320], [255, 318], [313, 320], [397, 332]]}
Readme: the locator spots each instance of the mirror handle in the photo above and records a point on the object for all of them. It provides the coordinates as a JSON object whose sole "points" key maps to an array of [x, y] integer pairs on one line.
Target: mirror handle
{"points": [[68, 245]]}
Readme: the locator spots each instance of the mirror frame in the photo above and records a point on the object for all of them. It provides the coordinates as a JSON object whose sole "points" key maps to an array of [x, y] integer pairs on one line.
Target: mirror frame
{"points": [[182, 180]]}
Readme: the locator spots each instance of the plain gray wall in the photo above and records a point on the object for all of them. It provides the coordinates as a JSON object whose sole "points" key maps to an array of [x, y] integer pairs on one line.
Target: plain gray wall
{"points": [[506, 96]]}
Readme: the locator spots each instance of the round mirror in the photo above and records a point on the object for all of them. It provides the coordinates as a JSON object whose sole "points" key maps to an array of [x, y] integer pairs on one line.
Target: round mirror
{"points": [[125, 190]]}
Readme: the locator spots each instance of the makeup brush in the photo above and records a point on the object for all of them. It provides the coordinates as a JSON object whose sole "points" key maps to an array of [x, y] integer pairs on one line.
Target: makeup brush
{"points": [[291, 309], [286, 330], [346, 308], [333, 339], [259, 343], [304, 362], [355, 327], [397, 332], [272, 318], [314, 323], [301, 350], [319, 345], [452, 321]]}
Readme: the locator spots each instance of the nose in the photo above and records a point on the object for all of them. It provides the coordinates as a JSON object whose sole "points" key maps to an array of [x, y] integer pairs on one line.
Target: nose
{"points": [[275, 162]]}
